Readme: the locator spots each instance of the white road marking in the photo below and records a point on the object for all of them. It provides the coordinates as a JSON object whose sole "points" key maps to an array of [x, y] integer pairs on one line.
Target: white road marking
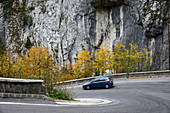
{"points": [[27, 104], [81, 102], [88, 102]]}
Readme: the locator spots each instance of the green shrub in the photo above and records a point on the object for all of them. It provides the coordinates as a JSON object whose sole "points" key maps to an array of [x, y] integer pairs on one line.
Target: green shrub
{"points": [[31, 8], [2, 47], [28, 43], [60, 93], [43, 8]]}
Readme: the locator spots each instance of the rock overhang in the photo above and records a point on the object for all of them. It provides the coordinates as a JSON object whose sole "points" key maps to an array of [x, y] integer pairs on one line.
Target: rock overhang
{"points": [[107, 3]]}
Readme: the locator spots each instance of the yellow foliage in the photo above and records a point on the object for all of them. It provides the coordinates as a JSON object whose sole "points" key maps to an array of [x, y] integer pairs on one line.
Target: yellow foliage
{"points": [[101, 59], [116, 61], [83, 67], [7, 65], [38, 63]]}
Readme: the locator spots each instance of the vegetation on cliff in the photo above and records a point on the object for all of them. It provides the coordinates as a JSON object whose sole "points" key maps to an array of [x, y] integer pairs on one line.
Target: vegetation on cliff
{"points": [[16, 18]]}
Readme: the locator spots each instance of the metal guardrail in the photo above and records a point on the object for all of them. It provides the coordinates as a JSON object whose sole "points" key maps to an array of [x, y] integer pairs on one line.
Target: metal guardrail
{"points": [[117, 76]]}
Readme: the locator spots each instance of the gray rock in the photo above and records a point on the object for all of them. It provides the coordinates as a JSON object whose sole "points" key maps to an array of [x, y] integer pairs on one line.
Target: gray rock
{"points": [[70, 26]]}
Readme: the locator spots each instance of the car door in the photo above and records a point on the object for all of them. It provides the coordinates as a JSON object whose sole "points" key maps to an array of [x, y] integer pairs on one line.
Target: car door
{"points": [[102, 82], [95, 83]]}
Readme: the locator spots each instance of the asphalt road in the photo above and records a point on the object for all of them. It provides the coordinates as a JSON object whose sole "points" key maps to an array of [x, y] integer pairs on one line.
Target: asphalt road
{"points": [[134, 96]]}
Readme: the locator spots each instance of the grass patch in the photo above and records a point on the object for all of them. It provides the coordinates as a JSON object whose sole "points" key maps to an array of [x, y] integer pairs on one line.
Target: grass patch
{"points": [[61, 93]]}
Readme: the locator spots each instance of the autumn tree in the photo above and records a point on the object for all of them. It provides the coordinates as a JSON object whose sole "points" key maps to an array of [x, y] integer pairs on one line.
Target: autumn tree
{"points": [[7, 64], [101, 59], [134, 56], [21, 68], [144, 60], [111, 62], [120, 58], [117, 61], [138, 59], [1, 54], [84, 66], [39, 61], [39, 64]]}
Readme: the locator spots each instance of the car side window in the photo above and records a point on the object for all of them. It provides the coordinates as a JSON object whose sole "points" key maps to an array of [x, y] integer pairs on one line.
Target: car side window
{"points": [[94, 80], [104, 79], [99, 80]]}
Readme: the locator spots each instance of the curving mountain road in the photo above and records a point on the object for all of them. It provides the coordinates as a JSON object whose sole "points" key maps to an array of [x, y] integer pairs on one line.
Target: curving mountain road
{"points": [[134, 96]]}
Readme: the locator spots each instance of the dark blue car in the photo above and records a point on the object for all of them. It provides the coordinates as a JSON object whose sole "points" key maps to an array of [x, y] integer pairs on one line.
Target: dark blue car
{"points": [[100, 82]]}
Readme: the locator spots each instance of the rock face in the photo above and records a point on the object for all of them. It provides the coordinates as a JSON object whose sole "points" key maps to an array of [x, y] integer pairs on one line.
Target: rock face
{"points": [[1, 25], [70, 26]]}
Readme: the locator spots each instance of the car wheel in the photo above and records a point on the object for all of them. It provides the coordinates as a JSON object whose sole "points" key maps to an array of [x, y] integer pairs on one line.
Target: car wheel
{"points": [[106, 86], [87, 87]]}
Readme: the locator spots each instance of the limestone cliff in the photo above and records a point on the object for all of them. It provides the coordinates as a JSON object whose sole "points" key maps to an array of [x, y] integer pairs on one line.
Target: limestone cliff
{"points": [[69, 26]]}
